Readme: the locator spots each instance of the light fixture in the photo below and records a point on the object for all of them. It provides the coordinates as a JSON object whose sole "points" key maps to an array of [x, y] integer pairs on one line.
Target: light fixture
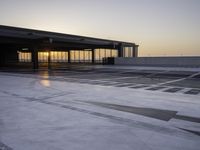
{"points": [[24, 49]]}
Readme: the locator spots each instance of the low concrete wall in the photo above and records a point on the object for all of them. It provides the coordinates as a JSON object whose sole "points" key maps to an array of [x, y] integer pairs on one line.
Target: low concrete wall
{"points": [[159, 61]]}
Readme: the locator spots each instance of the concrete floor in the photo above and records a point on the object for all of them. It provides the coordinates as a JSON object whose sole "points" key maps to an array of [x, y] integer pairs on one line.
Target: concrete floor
{"points": [[100, 107]]}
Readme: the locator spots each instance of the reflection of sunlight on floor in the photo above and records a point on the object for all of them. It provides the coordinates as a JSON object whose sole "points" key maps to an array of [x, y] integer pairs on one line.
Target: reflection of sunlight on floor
{"points": [[45, 74], [45, 83]]}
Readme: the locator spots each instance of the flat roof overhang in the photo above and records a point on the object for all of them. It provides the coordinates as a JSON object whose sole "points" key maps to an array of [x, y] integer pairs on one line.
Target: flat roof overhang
{"points": [[22, 37]]}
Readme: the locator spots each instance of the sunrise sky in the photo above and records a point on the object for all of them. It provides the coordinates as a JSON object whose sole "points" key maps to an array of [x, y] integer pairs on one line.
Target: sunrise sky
{"points": [[160, 27]]}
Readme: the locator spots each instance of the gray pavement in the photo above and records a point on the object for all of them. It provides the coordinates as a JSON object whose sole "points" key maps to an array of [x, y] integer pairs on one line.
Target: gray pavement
{"points": [[100, 108]]}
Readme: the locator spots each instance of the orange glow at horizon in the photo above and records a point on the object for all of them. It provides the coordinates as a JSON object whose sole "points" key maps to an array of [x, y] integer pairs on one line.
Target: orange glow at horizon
{"points": [[164, 27]]}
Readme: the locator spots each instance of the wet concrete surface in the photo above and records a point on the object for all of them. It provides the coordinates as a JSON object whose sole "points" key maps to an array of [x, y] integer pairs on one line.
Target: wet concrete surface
{"points": [[165, 115], [55, 110], [191, 83], [173, 90], [193, 91], [156, 88], [139, 86], [177, 80], [4, 147]]}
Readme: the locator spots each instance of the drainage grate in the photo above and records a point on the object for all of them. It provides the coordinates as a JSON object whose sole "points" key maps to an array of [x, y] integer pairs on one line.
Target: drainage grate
{"points": [[156, 88], [173, 90], [193, 91]]}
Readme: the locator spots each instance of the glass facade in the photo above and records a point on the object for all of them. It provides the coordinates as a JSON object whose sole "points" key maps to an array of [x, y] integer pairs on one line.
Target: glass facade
{"points": [[24, 56], [102, 53], [58, 56], [78, 56], [128, 52], [81, 56], [43, 56]]}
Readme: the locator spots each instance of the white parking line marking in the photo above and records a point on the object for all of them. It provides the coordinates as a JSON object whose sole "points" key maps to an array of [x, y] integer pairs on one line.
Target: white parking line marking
{"points": [[181, 79]]}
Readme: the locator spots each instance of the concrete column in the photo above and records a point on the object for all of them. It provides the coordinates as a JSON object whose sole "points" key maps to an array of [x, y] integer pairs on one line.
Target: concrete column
{"points": [[120, 50], [34, 52], [2, 57], [93, 57], [49, 59], [69, 57], [135, 51]]}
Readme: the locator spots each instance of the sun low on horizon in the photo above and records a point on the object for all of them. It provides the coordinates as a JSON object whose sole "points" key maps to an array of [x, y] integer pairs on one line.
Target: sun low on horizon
{"points": [[159, 27]]}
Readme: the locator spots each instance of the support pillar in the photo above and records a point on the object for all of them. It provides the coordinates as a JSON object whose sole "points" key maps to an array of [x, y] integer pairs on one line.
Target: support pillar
{"points": [[93, 59], [49, 59], [120, 50], [34, 53], [69, 57], [135, 50], [2, 56]]}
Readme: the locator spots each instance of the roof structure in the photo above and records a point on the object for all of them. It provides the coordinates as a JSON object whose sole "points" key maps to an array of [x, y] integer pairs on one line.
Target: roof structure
{"points": [[25, 37]]}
